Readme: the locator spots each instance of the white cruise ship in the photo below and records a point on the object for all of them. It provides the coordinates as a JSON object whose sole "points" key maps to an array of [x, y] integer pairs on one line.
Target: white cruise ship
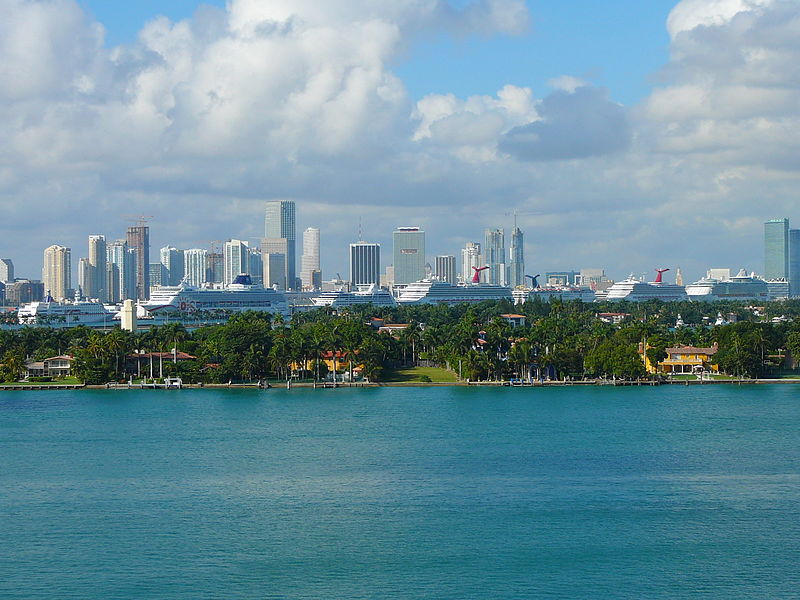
{"points": [[636, 290], [240, 296], [64, 314], [430, 291], [545, 294], [371, 295], [740, 287]]}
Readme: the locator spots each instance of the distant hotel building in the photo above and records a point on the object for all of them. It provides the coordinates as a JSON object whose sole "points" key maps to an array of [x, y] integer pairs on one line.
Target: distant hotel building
{"points": [[236, 254], [776, 249], [174, 262], [57, 272], [409, 255], [279, 223], [471, 257], [445, 269], [97, 285], [310, 271], [194, 265], [139, 243], [365, 264], [6, 269], [516, 263], [494, 254]]}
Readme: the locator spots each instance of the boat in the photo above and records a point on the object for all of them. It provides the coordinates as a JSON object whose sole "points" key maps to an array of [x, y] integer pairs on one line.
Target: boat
{"points": [[562, 292], [64, 314], [369, 295], [636, 290], [430, 291], [240, 296], [740, 287]]}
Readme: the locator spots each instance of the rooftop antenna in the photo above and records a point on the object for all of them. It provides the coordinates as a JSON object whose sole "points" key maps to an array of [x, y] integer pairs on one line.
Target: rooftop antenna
{"points": [[360, 236]]}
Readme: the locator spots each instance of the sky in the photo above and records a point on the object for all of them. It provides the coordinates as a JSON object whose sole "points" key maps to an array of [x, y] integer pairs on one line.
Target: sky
{"points": [[625, 135]]}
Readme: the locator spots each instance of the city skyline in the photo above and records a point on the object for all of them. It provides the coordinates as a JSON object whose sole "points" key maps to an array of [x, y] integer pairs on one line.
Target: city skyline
{"points": [[604, 127]]}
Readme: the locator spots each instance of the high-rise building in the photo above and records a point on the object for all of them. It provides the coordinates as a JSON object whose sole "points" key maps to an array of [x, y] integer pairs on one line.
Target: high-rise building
{"points": [[194, 264], [794, 262], [310, 261], [57, 272], [776, 249], [159, 275], [256, 269], [23, 291], [237, 259], [139, 243], [494, 254], [84, 276], [446, 268], [274, 269], [471, 257], [6, 269], [97, 286], [121, 272], [365, 264], [516, 262], [279, 222], [215, 267], [409, 255], [174, 262]]}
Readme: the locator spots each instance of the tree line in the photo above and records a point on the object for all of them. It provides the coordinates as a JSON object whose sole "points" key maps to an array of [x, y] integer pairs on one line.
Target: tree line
{"points": [[559, 339]]}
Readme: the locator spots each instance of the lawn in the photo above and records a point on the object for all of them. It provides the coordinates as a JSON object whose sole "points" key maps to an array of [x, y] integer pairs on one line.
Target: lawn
{"points": [[408, 374], [64, 381]]}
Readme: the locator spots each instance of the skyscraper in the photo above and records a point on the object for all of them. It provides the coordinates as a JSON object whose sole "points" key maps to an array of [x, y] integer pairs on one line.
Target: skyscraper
{"points": [[274, 269], [236, 259], [98, 256], [365, 264], [194, 265], [494, 254], [215, 267], [139, 243], [174, 262], [471, 257], [310, 260], [57, 271], [279, 222], [409, 255], [84, 276], [6, 269], [776, 249], [446, 268], [794, 262], [121, 272], [256, 268], [516, 263]]}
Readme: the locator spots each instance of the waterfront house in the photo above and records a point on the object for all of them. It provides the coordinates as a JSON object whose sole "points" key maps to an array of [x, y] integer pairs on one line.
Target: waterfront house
{"points": [[684, 359]]}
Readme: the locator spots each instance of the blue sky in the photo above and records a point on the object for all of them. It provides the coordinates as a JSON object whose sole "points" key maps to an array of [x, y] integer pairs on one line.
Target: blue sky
{"points": [[378, 109], [618, 44]]}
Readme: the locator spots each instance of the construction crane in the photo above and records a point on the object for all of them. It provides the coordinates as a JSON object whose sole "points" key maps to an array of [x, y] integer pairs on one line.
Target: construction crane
{"points": [[140, 220]]}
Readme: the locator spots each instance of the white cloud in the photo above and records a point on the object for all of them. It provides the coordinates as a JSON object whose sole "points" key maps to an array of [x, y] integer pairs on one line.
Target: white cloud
{"points": [[201, 120]]}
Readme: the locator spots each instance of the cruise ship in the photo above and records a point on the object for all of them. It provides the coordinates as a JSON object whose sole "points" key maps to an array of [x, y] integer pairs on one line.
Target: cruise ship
{"points": [[740, 287], [64, 314], [545, 294], [429, 291], [240, 296], [636, 290], [371, 295]]}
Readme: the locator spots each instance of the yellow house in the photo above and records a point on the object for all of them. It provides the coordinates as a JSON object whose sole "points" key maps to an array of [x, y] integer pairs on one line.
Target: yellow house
{"points": [[683, 359]]}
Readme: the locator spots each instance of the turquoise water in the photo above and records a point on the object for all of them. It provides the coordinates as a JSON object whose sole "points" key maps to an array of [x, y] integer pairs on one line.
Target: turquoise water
{"points": [[670, 492]]}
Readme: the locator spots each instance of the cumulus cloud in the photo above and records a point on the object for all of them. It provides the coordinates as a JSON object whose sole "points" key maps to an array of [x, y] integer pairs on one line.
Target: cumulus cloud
{"points": [[199, 121], [576, 124]]}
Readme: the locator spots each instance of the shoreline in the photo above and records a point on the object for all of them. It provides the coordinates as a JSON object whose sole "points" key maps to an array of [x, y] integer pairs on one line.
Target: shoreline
{"points": [[410, 384]]}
